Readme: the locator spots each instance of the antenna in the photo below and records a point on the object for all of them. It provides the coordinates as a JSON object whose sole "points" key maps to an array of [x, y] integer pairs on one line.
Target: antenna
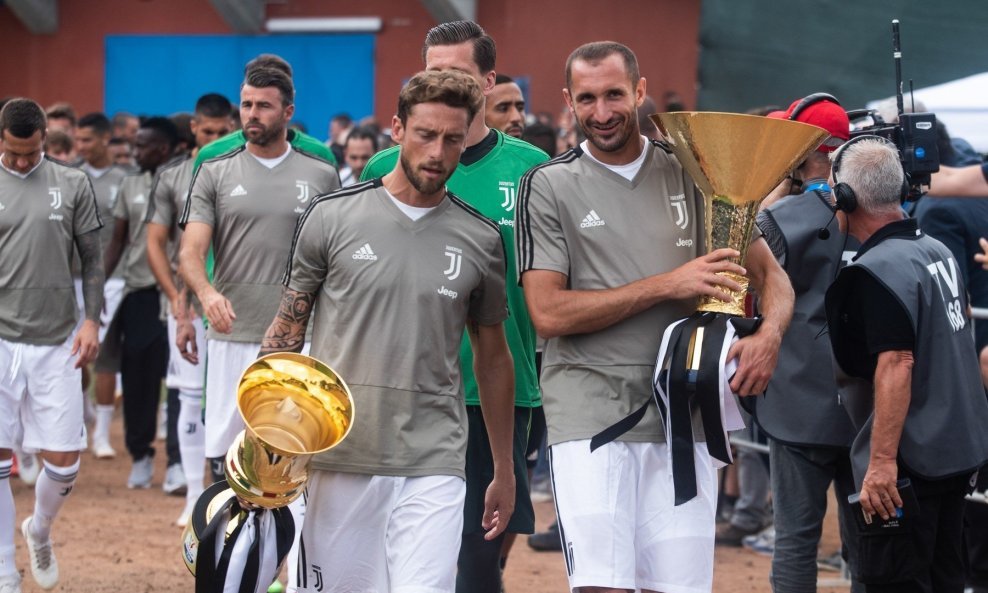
{"points": [[897, 58]]}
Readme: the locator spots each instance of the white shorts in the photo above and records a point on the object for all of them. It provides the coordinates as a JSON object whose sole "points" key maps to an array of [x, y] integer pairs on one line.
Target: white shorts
{"points": [[381, 534], [618, 522], [113, 292], [182, 374], [41, 390], [226, 362]]}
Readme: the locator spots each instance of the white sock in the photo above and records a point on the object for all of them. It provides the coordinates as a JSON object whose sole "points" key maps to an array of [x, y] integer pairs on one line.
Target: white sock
{"points": [[7, 519], [104, 416], [53, 487], [192, 441]]}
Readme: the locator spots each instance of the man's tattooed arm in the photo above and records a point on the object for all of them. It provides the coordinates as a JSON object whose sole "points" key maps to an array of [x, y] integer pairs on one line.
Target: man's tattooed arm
{"points": [[287, 332], [93, 278]]}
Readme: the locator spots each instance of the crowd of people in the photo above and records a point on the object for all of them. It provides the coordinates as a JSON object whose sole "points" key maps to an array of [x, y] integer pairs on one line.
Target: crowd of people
{"points": [[492, 285]]}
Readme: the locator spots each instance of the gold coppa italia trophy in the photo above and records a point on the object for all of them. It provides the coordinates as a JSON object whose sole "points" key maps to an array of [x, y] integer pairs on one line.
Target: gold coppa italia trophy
{"points": [[294, 407], [735, 160]]}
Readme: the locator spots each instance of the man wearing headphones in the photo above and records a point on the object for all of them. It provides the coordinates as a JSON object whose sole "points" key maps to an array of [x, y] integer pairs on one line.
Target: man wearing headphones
{"points": [[909, 378], [809, 434]]}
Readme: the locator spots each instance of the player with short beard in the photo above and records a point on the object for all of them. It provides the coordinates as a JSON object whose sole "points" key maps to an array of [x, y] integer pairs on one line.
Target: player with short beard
{"points": [[506, 107], [607, 267], [487, 177], [396, 269]]}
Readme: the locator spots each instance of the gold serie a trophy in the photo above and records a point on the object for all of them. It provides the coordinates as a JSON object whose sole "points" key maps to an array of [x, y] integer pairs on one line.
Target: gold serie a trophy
{"points": [[240, 531], [735, 160]]}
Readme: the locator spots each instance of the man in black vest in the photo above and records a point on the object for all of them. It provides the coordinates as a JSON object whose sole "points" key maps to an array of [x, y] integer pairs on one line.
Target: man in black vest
{"points": [[809, 432], [909, 374]]}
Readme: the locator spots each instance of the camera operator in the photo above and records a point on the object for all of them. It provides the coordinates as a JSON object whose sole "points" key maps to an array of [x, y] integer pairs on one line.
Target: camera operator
{"points": [[909, 375], [809, 433]]}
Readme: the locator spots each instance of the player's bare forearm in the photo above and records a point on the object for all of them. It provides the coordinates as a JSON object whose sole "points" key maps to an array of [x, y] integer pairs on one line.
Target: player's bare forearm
{"points": [[192, 257], [758, 354], [114, 249], [558, 310], [775, 294], [494, 371], [157, 240], [287, 332], [93, 277]]}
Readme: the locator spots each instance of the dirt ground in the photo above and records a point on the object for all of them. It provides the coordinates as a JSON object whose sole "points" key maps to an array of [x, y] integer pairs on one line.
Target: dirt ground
{"points": [[111, 539]]}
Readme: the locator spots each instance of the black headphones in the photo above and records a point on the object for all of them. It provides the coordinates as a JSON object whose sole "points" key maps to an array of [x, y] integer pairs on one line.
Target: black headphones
{"points": [[844, 197], [811, 100]]}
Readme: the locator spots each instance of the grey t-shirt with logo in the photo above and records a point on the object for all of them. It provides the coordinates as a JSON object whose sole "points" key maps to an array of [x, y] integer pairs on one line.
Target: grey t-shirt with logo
{"points": [[106, 184], [253, 211], [132, 205], [393, 299], [40, 217], [579, 218], [168, 196]]}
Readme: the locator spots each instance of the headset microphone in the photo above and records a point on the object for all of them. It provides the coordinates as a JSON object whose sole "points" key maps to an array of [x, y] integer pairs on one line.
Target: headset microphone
{"points": [[824, 233]]}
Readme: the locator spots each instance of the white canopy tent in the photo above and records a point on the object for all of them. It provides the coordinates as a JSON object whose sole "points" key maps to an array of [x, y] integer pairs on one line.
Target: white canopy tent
{"points": [[962, 105]]}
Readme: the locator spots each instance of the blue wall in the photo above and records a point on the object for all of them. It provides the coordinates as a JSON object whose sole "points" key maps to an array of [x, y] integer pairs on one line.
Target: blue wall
{"points": [[164, 74]]}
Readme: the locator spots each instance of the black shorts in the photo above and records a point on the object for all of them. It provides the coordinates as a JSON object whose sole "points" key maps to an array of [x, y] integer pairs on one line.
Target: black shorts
{"points": [[480, 472]]}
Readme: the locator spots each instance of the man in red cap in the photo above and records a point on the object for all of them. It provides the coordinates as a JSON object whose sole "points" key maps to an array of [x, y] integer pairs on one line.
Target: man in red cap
{"points": [[810, 434]]}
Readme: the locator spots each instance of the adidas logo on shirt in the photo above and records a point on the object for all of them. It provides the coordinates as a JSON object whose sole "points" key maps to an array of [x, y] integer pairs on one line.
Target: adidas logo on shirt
{"points": [[365, 252], [2, 207], [592, 220], [140, 199], [238, 191]]}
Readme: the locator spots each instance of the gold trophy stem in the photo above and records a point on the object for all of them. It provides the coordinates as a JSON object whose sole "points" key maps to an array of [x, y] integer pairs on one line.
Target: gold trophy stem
{"points": [[735, 306]]}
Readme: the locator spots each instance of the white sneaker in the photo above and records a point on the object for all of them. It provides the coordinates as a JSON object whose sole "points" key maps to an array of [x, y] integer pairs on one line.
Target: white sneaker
{"points": [[140, 473], [186, 515], [174, 484], [28, 467], [102, 448], [10, 584], [44, 567]]}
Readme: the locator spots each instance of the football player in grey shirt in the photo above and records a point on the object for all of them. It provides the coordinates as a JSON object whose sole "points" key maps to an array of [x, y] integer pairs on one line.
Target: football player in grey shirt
{"points": [[92, 141], [608, 240], [46, 209], [395, 269], [244, 204], [144, 358], [211, 121]]}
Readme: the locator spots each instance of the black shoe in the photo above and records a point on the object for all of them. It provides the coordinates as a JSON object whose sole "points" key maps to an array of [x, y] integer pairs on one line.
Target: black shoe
{"points": [[731, 535], [546, 541]]}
